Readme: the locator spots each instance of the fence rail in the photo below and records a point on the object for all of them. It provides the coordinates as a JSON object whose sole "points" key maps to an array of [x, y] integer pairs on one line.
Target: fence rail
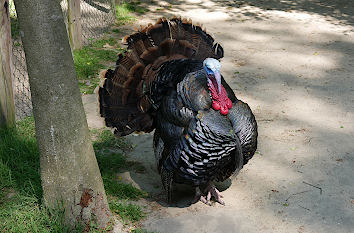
{"points": [[93, 17]]}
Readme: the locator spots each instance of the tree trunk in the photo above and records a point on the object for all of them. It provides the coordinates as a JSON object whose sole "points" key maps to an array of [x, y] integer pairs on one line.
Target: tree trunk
{"points": [[7, 107], [69, 170]]}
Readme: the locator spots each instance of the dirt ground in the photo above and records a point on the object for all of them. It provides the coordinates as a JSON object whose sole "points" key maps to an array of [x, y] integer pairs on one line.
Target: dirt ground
{"points": [[293, 63]]}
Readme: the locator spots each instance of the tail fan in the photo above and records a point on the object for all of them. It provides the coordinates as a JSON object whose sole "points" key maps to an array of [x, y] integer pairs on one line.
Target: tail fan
{"points": [[123, 98]]}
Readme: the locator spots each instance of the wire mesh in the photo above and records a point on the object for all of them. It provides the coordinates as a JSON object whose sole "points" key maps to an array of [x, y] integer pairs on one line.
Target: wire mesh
{"points": [[22, 93], [96, 18]]}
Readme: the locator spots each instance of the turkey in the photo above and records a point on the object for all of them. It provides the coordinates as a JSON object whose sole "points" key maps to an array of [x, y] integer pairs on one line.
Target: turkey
{"points": [[169, 80]]}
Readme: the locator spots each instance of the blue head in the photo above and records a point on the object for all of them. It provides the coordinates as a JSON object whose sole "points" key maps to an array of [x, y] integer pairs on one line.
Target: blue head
{"points": [[212, 68]]}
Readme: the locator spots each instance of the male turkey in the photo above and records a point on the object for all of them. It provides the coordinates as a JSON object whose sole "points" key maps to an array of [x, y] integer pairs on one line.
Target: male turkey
{"points": [[169, 80]]}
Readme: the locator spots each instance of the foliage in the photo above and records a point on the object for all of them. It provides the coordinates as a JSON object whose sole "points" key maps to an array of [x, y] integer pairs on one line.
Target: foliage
{"points": [[15, 30], [124, 10], [21, 209], [23, 213], [19, 158], [127, 211], [91, 59]]}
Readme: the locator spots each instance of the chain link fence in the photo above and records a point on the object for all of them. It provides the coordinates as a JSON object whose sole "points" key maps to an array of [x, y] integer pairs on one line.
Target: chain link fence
{"points": [[96, 18]]}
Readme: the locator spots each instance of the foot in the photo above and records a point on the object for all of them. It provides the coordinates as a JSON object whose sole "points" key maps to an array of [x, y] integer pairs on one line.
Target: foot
{"points": [[210, 191], [200, 197]]}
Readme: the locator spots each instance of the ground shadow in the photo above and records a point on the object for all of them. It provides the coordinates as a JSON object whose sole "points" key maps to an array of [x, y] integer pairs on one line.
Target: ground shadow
{"points": [[297, 77]]}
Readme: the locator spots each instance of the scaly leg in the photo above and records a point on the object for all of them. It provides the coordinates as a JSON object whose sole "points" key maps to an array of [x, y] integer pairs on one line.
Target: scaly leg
{"points": [[167, 181], [200, 197], [210, 191], [213, 192]]}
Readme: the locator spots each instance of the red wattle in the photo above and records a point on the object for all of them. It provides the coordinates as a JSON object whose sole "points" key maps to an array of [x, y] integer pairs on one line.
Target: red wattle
{"points": [[224, 111], [229, 104], [216, 106], [220, 100]]}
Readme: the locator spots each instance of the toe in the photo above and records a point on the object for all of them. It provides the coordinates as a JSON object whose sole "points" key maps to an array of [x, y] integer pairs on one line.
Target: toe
{"points": [[204, 200]]}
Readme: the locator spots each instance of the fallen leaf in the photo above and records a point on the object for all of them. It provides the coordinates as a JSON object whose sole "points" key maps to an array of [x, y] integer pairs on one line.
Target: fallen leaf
{"points": [[285, 204], [352, 202], [292, 148], [339, 160], [315, 53], [108, 46]]}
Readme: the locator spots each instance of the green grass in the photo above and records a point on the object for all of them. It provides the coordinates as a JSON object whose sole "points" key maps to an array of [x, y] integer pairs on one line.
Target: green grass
{"points": [[127, 211], [140, 230], [23, 213], [125, 9], [19, 157], [21, 209], [15, 30], [91, 59], [108, 150]]}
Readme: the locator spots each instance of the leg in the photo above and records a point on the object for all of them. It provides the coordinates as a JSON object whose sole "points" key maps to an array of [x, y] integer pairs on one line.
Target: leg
{"points": [[210, 191], [167, 180], [213, 192], [200, 197]]}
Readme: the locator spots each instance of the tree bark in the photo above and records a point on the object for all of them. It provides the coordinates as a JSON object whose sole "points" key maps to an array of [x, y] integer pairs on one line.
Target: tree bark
{"points": [[69, 171], [7, 106]]}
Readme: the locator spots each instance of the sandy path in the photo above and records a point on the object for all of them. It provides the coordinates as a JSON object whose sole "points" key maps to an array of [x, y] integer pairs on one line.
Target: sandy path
{"points": [[293, 62]]}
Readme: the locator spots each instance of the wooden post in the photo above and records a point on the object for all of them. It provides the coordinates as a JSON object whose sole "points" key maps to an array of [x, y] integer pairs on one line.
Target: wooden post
{"points": [[74, 24], [7, 106], [113, 6]]}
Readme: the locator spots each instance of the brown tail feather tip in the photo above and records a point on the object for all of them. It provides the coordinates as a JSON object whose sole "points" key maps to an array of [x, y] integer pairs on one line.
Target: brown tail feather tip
{"points": [[124, 104]]}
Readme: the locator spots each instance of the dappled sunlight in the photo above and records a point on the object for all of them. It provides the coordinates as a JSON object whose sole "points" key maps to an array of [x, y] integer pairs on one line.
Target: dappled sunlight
{"points": [[292, 62], [318, 113]]}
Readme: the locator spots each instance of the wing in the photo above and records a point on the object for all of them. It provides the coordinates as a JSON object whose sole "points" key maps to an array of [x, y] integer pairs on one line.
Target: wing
{"points": [[245, 126]]}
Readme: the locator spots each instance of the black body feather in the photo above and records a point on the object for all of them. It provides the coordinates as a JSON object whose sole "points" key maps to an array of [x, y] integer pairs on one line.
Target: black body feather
{"points": [[159, 83]]}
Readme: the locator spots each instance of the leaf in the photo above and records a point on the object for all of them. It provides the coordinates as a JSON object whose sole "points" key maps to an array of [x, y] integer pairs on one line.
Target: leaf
{"points": [[285, 204], [292, 148]]}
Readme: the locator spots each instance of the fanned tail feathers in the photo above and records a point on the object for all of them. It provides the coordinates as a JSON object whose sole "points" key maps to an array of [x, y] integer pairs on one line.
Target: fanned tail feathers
{"points": [[123, 95]]}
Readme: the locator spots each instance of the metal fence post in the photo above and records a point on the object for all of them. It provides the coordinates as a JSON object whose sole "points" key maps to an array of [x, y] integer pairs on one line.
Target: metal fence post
{"points": [[7, 106], [74, 24]]}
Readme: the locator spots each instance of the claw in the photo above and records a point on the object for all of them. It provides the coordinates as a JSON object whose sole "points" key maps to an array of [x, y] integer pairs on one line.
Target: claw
{"points": [[216, 194], [200, 197], [210, 191]]}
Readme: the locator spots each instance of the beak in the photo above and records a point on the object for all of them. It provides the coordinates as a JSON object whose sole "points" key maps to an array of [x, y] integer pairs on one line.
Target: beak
{"points": [[218, 80]]}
